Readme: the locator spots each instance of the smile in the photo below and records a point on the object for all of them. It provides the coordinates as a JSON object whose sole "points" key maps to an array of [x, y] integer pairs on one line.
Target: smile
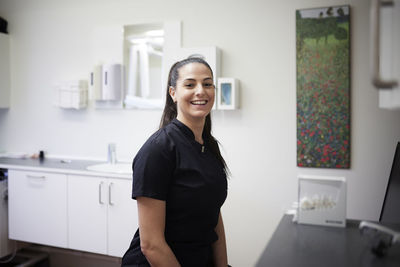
{"points": [[199, 102]]}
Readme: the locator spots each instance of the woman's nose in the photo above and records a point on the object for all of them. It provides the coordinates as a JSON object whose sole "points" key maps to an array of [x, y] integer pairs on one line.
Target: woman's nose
{"points": [[200, 89]]}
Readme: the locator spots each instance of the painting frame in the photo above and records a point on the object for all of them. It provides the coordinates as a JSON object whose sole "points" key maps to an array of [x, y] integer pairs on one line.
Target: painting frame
{"points": [[323, 83], [227, 93]]}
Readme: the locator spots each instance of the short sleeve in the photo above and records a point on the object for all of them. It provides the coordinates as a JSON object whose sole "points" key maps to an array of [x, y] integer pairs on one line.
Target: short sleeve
{"points": [[153, 169]]}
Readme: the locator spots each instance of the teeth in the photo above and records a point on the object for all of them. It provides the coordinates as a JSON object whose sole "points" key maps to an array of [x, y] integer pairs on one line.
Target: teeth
{"points": [[202, 102]]}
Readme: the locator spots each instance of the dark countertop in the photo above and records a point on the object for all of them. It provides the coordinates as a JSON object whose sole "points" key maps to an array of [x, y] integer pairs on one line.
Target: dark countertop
{"points": [[294, 244]]}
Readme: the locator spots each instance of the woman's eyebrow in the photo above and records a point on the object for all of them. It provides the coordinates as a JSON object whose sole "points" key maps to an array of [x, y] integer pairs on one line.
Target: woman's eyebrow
{"points": [[193, 80], [190, 80]]}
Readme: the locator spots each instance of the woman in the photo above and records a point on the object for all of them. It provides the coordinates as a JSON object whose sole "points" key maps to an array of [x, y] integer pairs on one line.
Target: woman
{"points": [[179, 179]]}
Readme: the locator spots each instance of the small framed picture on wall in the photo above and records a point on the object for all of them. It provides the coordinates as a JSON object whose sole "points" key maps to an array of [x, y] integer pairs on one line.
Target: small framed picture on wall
{"points": [[227, 93]]}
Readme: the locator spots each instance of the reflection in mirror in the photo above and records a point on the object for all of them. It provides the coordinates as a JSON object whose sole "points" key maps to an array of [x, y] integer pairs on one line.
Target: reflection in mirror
{"points": [[144, 59]]}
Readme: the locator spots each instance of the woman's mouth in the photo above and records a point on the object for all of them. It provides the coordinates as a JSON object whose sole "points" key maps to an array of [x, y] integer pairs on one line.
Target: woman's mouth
{"points": [[199, 102]]}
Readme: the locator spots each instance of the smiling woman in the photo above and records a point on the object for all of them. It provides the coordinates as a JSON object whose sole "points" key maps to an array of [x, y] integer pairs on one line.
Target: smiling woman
{"points": [[194, 95], [173, 171]]}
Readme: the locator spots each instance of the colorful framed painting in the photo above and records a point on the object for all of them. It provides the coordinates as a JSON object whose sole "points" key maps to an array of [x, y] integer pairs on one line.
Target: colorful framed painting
{"points": [[323, 87]]}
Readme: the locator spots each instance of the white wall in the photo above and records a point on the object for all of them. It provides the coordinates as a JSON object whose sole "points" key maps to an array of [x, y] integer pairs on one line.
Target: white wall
{"points": [[51, 41]]}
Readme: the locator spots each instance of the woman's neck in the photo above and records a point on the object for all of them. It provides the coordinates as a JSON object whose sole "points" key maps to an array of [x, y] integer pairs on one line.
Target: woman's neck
{"points": [[196, 126]]}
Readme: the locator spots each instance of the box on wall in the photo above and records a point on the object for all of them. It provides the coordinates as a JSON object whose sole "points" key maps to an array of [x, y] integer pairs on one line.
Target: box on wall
{"points": [[322, 200], [73, 94]]}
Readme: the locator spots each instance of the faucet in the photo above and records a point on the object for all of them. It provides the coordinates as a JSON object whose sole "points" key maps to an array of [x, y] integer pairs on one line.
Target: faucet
{"points": [[112, 153]]}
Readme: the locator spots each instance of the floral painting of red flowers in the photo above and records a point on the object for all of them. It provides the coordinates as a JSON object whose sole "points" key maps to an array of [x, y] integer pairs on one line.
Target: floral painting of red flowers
{"points": [[323, 87]]}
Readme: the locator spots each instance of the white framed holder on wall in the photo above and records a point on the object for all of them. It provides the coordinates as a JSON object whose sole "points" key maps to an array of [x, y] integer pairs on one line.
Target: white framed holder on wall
{"points": [[322, 200], [227, 94]]}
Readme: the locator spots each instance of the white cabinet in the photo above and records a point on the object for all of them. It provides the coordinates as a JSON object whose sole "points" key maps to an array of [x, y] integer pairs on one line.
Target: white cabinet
{"points": [[4, 70], [122, 216], [87, 214], [102, 217], [38, 207]]}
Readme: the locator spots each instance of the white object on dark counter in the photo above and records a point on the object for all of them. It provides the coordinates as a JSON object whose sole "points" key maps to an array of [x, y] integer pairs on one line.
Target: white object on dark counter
{"points": [[322, 200]]}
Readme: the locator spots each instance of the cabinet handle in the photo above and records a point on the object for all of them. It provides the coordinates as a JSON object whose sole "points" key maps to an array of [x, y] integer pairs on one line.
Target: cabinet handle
{"points": [[100, 187], [109, 194], [375, 35], [105, 78], [36, 176]]}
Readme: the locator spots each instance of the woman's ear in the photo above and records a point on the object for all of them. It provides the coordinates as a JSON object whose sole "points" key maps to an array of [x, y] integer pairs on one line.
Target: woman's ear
{"points": [[172, 93]]}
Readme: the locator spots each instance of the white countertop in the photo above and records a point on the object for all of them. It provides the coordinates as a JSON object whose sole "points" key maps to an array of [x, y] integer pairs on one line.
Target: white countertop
{"points": [[78, 167]]}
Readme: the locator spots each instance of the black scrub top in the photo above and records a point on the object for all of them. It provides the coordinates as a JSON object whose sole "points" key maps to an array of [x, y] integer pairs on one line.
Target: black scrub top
{"points": [[173, 167]]}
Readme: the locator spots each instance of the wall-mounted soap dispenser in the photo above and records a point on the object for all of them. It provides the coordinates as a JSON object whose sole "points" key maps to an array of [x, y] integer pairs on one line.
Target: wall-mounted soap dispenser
{"points": [[95, 83], [106, 84], [112, 82]]}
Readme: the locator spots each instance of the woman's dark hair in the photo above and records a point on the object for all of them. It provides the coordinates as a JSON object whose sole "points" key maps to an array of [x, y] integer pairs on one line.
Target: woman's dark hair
{"points": [[170, 110]]}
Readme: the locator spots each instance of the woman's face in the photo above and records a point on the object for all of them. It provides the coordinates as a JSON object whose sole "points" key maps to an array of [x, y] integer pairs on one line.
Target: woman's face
{"points": [[194, 92]]}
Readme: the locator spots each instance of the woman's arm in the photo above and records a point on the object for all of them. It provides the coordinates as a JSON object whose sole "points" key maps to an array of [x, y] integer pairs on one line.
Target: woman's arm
{"points": [[219, 247], [151, 229]]}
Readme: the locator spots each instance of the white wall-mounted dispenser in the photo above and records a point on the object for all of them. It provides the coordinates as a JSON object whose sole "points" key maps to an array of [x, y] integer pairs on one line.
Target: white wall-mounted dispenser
{"points": [[106, 82], [112, 82], [107, 85], [72, 94], [95, 81]]}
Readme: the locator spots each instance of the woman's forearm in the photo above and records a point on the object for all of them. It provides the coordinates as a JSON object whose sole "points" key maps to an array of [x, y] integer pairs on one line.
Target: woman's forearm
{"points": [[159, 255], [219, 247]]}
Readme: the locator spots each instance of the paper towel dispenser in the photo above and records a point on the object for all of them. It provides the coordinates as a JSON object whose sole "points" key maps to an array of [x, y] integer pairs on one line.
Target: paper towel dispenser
{"points": [[106, 82]]}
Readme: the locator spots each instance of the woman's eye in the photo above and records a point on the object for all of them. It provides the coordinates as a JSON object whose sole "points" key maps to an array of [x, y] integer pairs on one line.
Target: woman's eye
{"points": [[190, 85], [208, 85]]}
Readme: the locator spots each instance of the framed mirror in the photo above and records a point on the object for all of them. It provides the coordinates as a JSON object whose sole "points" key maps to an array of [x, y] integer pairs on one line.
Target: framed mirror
{"points": [[148, 52]]}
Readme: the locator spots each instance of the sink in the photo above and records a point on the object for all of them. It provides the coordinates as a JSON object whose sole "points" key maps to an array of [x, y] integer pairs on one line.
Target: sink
{"points": [[119, 168]]}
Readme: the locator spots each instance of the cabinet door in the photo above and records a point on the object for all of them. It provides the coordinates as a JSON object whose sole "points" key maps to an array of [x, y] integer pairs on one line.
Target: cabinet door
{"points": [[38, 207], [87, 213], [122, 216]]}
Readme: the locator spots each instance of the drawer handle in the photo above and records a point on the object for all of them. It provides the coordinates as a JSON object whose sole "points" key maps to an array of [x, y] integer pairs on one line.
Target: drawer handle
{"points": [[100, 187], [109, 194], [36, 176]]}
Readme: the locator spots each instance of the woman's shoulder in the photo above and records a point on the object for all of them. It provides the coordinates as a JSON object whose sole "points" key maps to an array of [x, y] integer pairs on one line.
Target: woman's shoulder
{"points": [[159, 141]]}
